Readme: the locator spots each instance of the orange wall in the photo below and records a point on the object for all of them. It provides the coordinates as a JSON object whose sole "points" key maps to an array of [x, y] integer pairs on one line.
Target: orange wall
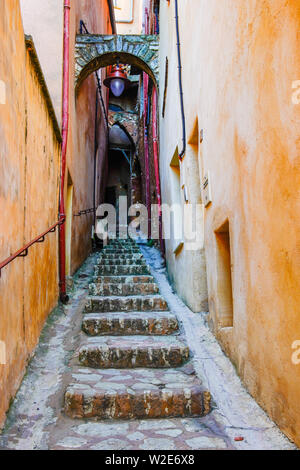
{"points": [[41, 210], [29, 191], [81, 141], [29, 165], [239, 62]]}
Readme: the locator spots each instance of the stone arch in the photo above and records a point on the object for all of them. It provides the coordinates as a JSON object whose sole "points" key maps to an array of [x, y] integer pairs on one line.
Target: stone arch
{"points": [[128, 121], [123, 127], [95, 51]]}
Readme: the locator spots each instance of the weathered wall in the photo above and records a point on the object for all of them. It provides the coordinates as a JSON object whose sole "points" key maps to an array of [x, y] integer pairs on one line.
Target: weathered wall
{"points": [[42, 171], [149, 18], [30, 165], [81, 142], [186, 268], [141, 155], [30, 161], [239, 62], [79, 183]]}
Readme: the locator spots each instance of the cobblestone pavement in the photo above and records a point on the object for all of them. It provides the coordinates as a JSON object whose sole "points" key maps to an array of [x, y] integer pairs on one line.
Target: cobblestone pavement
{"points": [[37, 420]]}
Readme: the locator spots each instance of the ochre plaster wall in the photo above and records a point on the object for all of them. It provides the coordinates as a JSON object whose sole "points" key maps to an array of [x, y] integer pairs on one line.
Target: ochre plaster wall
{"points": [[239, 62], [30, 160], [30, 165]]}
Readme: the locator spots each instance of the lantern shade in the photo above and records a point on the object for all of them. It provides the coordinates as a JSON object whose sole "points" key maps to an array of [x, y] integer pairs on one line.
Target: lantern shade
{"points": [[117, 86], [117, 80]]}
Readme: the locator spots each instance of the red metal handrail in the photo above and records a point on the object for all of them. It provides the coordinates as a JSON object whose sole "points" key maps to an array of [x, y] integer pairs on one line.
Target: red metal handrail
{"points": [[23, 252], [65, 132]]}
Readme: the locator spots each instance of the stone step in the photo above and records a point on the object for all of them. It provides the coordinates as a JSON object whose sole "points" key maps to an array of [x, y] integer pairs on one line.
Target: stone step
{"points": [[135, 394], [121, 251], [126, 352], [128, 249], [119, 270], [125, 243], [127, 240], [128, 324], [98, 304], [118, 256], [139, 279], [122, 289], [121, 262], [121, 247]]}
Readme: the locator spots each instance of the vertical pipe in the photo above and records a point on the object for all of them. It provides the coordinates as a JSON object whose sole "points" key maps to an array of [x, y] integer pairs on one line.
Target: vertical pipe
{"points": [[146, 151], [181, 155], [112, 16], [95, 158], [65, 127], [147, 21], [156, 20], [146, 141], [156, 165]]}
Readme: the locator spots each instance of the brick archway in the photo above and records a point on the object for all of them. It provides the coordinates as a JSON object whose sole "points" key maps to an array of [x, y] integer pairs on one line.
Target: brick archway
{"points": [[96, 51]]}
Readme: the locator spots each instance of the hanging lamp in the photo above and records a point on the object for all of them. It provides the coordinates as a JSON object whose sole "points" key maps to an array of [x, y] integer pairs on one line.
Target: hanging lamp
{"points": [[117, 80]]}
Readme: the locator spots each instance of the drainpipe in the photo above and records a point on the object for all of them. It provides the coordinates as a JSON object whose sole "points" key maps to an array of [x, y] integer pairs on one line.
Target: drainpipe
{"points": [[146, 151], [156, 166], [181, 155], [65, 127], [95, 158], [146, 141], [112, 16]]}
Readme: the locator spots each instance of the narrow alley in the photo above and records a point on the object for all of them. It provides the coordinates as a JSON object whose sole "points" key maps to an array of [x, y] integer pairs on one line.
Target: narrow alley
{"points": [[149, 226], [110, 392]]}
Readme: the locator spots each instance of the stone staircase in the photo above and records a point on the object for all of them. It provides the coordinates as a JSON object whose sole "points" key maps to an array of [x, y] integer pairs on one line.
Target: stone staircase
{"points": [[133, 361]]}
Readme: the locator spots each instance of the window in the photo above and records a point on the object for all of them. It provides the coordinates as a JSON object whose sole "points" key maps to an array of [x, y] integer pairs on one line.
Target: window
{"points": [[176, 213], [193, 158], [224, 279]]}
